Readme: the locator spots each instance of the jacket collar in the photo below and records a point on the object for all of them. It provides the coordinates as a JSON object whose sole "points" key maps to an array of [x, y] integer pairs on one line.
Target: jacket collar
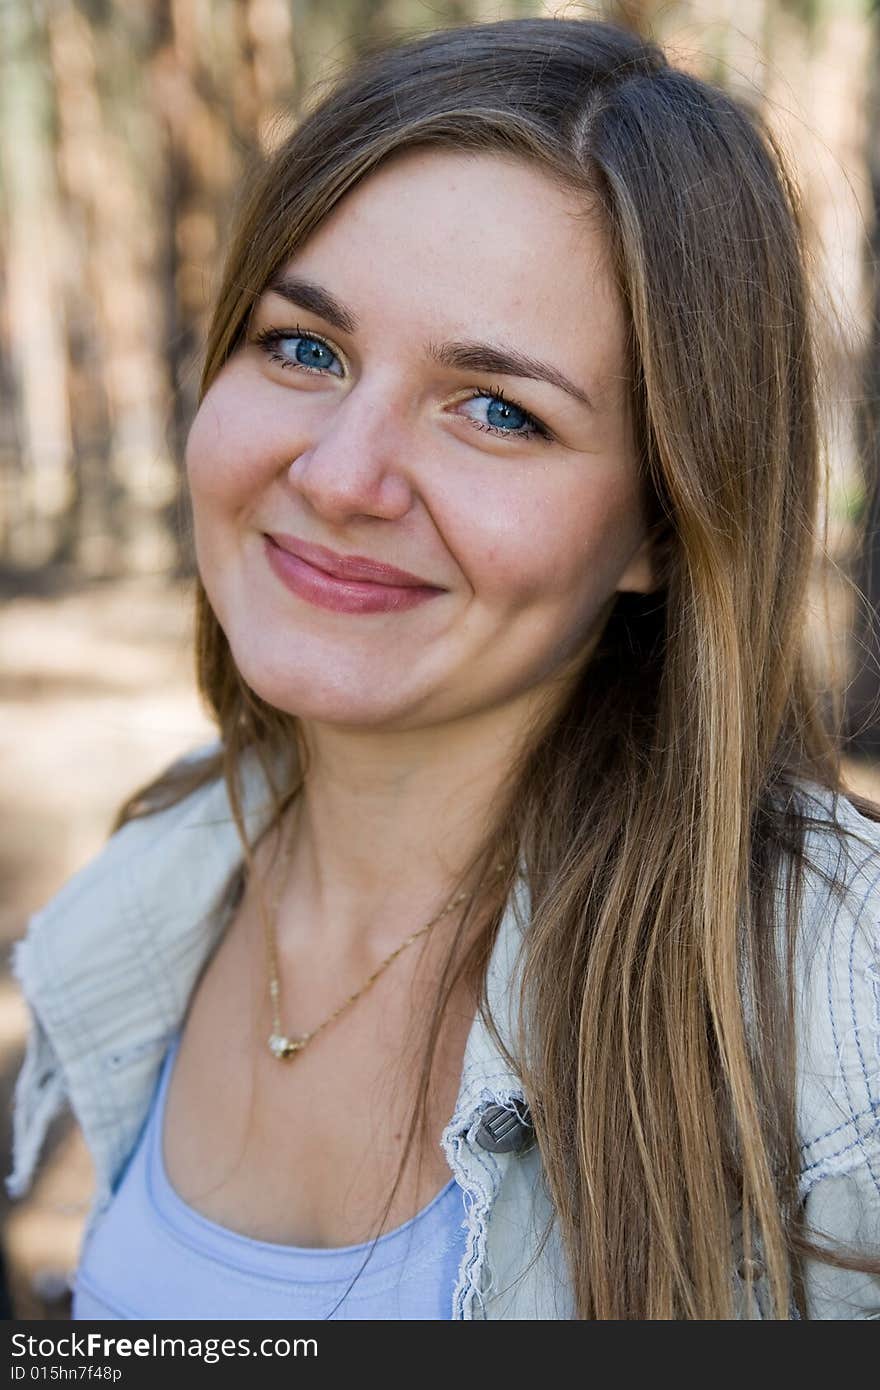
{"points": [[109, 964]]}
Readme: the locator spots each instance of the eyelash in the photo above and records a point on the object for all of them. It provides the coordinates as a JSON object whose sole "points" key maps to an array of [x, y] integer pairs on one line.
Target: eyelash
{"points": [[268, 338], [536, 429]]}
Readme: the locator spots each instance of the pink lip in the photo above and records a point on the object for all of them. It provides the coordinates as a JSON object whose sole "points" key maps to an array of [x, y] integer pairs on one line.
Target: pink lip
{"points": [[345, 593], [348, 566]]}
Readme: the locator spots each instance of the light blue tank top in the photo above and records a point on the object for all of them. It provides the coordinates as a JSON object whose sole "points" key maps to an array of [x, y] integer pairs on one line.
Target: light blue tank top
{"points": [[152, 1256]]}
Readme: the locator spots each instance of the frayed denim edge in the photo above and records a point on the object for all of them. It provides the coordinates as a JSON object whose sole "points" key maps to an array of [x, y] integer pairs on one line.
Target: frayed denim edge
{"points": [[478, 1173], [39, 1089]]}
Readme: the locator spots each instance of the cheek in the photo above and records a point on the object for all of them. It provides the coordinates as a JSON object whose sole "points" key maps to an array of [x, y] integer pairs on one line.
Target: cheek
{"points": [[229, 450], [210, 450], [560, 544]]}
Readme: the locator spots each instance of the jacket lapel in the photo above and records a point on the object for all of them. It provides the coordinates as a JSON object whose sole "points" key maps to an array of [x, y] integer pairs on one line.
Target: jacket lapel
{"points": [[107, 968]]}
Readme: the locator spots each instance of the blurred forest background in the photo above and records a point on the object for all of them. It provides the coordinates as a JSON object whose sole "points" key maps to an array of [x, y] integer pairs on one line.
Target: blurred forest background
{"points": [[125, 126]]}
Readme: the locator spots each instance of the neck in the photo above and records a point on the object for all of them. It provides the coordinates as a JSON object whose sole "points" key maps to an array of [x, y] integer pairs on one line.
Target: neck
{"points": [[386, 822]]}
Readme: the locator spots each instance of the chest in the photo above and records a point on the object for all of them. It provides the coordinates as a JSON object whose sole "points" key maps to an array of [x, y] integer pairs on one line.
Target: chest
{"points": [[306, 1151]]}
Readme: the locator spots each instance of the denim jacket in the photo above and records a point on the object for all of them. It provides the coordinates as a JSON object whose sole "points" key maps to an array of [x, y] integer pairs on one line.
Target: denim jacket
{"points": [[108, 966]]}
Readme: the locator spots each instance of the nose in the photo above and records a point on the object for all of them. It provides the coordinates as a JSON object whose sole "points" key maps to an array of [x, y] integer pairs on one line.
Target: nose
{"points": [[355, 464]]}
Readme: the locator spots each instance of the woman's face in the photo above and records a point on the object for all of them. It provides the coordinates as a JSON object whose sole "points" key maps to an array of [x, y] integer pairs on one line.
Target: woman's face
{"points": [[365, 414]]}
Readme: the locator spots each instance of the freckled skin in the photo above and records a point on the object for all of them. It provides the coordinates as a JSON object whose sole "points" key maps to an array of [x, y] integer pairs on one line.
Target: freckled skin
{"points": [[530, 538]]}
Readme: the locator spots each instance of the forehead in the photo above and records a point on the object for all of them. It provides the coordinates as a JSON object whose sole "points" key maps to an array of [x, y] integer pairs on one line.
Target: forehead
{"points": [[447, 243]]}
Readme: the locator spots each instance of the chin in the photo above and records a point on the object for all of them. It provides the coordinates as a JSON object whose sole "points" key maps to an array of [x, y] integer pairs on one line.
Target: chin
{"points": [[320, 701]]}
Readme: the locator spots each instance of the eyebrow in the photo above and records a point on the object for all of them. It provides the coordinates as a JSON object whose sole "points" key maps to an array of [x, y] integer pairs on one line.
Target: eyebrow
{"points": [[487, 357], [307, 295], [464, 356]]}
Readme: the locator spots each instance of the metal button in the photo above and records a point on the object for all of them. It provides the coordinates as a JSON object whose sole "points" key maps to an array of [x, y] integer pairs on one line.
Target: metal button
{"points": [[504, 1130]]}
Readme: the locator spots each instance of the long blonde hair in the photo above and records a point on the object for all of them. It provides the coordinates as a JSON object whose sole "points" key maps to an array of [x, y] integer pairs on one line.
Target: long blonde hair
{"points": [[656, 808]]}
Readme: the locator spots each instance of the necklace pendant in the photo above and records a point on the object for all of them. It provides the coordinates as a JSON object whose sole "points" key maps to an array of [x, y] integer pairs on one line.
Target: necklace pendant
{"points": [[282, 1047]]}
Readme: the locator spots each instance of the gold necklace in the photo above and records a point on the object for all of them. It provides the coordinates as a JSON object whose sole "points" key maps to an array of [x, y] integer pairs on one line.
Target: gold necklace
{"points": [[280, 1044]]}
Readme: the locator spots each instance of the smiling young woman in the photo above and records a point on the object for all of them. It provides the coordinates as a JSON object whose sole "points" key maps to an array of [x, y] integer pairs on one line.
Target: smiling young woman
{"points": [[504, 485]]}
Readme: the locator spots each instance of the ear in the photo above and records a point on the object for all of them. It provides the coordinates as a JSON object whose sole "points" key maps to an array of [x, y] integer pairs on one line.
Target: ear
{"points": [[646, 570]]}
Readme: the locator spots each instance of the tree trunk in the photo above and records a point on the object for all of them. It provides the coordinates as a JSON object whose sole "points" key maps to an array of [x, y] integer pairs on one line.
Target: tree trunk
{"points": [[39, 487]]}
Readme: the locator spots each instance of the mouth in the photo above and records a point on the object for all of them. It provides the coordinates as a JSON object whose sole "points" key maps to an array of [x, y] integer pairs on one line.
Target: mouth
{"points": [[345, 593], [355, 568]]}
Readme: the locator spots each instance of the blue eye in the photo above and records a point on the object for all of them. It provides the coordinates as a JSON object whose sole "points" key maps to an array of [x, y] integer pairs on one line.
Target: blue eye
{"points": [[308, 352], [503, 417]]}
